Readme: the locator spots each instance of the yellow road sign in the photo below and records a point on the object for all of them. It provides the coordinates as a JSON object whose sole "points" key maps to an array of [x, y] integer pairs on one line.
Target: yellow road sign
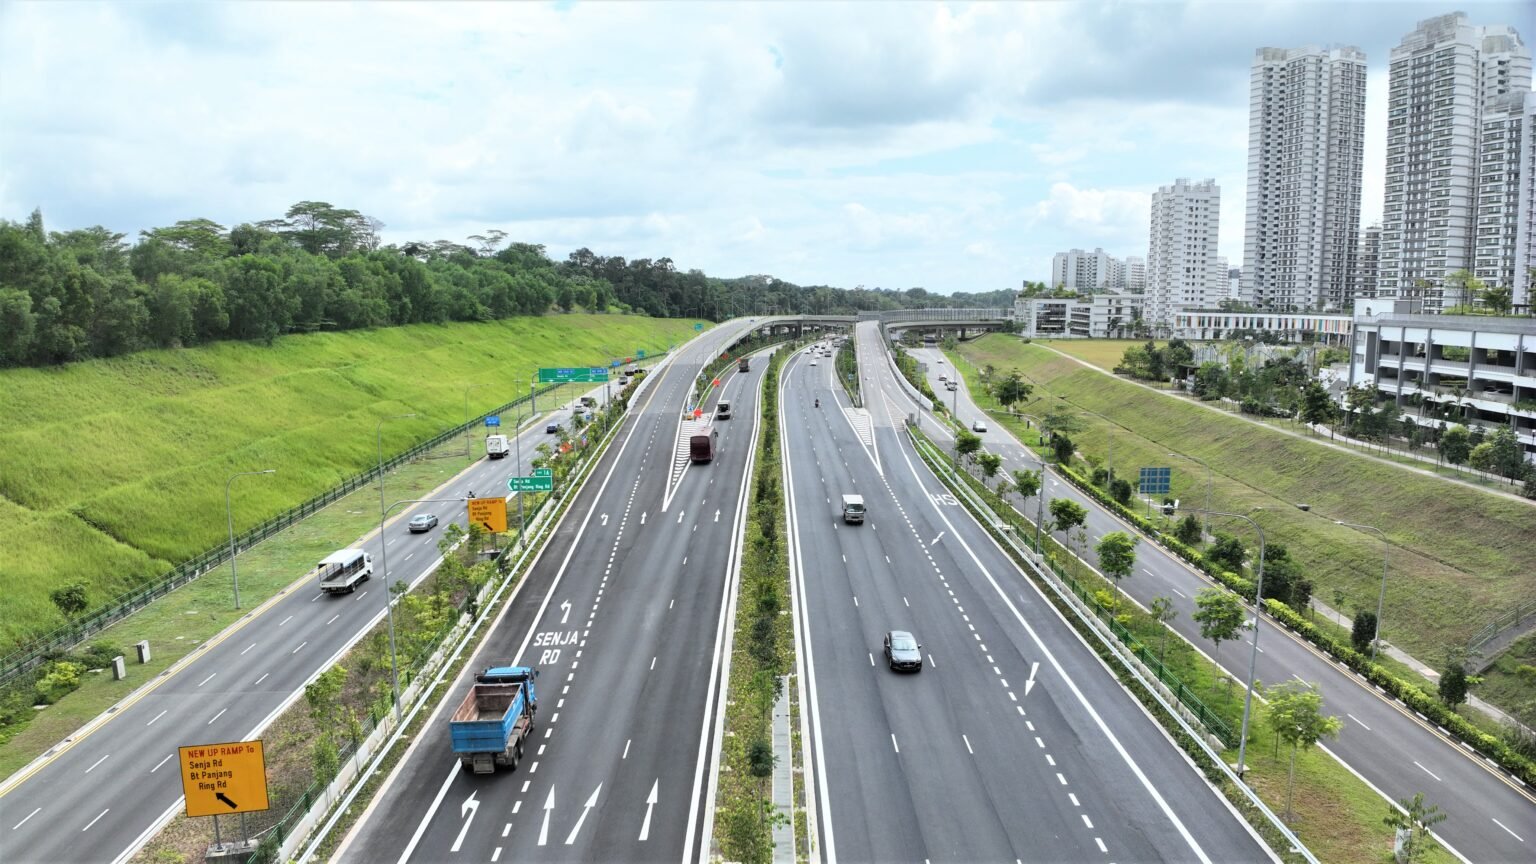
{"points": [[220, 779], [489, 513]]}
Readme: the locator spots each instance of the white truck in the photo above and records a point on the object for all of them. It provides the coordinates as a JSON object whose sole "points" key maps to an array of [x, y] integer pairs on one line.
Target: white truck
{"points": [[341, 572], [853, 509], [496, 446]]}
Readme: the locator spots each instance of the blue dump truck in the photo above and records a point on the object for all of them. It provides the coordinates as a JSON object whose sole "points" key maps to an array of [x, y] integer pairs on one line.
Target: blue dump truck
{"points": [[495, 718]]}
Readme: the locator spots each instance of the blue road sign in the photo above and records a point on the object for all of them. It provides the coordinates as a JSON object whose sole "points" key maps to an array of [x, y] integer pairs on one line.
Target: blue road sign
{"points": [[698, 326], [640, 352], [616, 364], [492, 420], [1155, 481]]}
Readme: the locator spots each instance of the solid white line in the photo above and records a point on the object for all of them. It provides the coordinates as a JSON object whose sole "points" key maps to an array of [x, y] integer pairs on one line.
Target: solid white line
{"points": [[34, 812], [1495, 821], [97, 819], [161, 762], [157, 717], [97, 762], [1357, 720], [1426, 770]]}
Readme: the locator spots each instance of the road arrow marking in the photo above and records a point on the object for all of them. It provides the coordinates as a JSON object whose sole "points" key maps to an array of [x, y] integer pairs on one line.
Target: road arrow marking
{"points": [[650, 802], [936, 539], [549, 804], [680, 516], [565, 606], [585, 809], [470, 807], [605, 518], [1028, 685], [717, 515], [642, 518]]}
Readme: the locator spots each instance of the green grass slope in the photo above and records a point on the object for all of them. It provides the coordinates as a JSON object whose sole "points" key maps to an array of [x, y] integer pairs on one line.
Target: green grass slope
{"points": [[111, 469], [1458, 555]]}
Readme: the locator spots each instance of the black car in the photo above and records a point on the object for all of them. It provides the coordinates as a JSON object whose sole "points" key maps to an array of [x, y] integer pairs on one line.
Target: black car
{"points": [[902, 652], [553, 428], [422, 522]]}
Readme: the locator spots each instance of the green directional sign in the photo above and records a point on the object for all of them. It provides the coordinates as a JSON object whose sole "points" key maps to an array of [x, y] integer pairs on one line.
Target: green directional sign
{"points": [[543, 472], [545, 483], [574, 375]]}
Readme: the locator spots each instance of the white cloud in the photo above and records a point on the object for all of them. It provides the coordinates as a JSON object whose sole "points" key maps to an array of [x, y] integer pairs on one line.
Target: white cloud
{"points": [[950, 146]]}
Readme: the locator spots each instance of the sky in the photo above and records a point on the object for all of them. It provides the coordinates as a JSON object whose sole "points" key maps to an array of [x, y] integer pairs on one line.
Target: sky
{"points": [[949, 146]]}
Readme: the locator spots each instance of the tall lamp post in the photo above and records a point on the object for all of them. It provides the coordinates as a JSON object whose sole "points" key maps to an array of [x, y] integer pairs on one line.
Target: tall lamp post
{"points": [[1381, 598], [389, 600], [1253, 659], [389, 603], [1207, 486], [466, 413], [229, 514]]}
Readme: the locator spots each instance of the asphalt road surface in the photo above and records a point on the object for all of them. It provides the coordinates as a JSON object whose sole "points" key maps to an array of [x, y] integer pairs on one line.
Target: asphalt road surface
{"points": [[624, 617]]}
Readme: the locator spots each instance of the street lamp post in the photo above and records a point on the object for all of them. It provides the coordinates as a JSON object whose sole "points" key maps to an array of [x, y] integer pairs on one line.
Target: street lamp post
{"points": [[389, 600], [1381, 598], [1253, 659], [1207, 486], [389, 605], [229, 514], [466, 414]]}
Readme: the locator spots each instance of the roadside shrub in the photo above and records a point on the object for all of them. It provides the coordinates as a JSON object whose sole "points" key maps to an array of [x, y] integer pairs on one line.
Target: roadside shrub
{"points": [[98, 655], [58, 679]]}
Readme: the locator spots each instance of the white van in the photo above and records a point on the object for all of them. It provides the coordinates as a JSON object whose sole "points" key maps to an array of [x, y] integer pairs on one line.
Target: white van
{"points": [[853, 509], [722, 410], [341, 572]]}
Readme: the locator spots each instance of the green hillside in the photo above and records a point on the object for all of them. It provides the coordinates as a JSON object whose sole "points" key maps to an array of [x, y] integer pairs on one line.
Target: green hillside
{"points": [[112, 469], [1459, 556]]}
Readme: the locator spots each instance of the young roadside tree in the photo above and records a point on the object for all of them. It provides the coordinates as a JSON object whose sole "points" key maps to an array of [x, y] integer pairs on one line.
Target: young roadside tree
{"points": [[1062, 448], [990, 463], [1026, 483], [1121, 490], [1067, 514], [1453, 683], [1162, 609], [1296, 717], [1220, 616], [1011, 390], [1364, 630], [1188, 531], [1456, 444], [1316, 407], [966, 443], [1412, 819], [1117, 555]]}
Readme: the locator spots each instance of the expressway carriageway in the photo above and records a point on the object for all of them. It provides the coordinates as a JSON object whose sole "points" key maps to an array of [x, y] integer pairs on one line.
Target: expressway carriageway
{"points": [[1014, 743], [624, 616], [1491, 819], [102, 794]]}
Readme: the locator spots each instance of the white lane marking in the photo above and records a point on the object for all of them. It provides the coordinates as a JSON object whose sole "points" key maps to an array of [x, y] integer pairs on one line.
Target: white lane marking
{"points": [[333, 619], [871, 658], [97, 762], [549, 804], [894, 744], [247, 648], [94, 821], [161, 762], [1357, 720], [906, 601], [157, 717], [1087, 821], [1495, 821], [585, 809], [285, 621], [936, 539], [1178, 592], [1426, 770], [1102, 847], [626, 746], [967, 744], [206, 680], [653, 664], [216, 716], [855, 599], [262, 678], [1061, 778], [301, 645], [34, 812], [1073, 796]]}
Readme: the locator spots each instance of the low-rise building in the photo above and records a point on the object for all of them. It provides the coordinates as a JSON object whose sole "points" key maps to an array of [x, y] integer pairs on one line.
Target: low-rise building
{"points": [[1096, 316], [1289, 326], [1474, 369]]}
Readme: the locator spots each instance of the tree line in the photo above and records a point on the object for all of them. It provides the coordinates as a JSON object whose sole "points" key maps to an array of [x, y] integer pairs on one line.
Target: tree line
{"points": [[74, 295]]}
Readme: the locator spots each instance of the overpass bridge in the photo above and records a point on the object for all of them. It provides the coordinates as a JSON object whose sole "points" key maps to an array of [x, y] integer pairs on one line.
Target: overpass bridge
{"points": [[961, 323]]}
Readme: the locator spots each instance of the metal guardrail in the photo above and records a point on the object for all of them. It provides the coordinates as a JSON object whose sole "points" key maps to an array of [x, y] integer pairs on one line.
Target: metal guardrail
{"points": [[1507, 619], [32, 654]]}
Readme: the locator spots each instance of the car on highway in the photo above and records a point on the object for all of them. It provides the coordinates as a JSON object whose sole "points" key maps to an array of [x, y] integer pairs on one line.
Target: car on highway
{"points": [[951, 385], [813, 361], [552, 429], [422, 522], [978, 426], [902, 652]]}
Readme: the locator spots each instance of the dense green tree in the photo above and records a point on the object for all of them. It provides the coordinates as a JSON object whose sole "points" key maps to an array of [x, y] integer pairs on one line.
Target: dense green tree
{"points": [[1117, 554], [1228, 551], [1067, 514], [1011, 389], [1220, 616], [1363, 632], [1456, 444]]}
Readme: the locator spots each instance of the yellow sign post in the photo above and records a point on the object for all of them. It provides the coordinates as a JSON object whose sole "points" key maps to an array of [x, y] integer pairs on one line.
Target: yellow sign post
{"points": [[489, 513], [220, 779]]}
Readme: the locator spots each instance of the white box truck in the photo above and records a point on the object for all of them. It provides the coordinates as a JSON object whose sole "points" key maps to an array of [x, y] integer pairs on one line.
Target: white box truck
{"points": [[496, 446], [853, 509]]}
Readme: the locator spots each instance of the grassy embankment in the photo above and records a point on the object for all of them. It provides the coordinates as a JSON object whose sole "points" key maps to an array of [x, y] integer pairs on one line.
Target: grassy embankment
{"points": [[112, 469], [1458, 556]]}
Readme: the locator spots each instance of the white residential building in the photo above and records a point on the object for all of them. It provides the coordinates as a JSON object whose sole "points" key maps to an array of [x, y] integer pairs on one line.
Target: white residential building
{"points": [[1183, 270], [1443, 75], [1498, 189], [1368, 262], [1135, 274], [1525, 233], [1091, 316], [1077, 270], [1306, 139]]}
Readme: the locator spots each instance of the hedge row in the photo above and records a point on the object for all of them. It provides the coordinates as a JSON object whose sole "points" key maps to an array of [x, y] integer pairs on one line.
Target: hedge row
{"points": [[1409, 694]]}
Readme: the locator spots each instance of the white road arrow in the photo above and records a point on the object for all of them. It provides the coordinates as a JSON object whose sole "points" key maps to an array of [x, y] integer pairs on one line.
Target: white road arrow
{"points": [[565, 606], [549, 804], [717, 515], [650, 803], [642, 518], [605, 518], [585, 808], [469, 808], [1028, 685]]}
